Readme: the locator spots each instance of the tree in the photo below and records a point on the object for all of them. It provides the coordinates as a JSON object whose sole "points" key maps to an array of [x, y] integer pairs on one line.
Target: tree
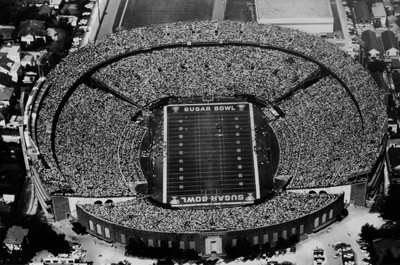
{"points": [[293, 240], [266, 247], [130, 248], [389, 209], [282, 243], [345, 212], [8, 11], [373, 255], [376, 66], [54, 243], [388, 258], [339, 218], [368, 232]]}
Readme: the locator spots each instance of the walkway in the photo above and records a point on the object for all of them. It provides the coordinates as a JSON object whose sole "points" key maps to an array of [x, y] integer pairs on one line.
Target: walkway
{"points": [[219, 10], [343, 22], [106, 27]]}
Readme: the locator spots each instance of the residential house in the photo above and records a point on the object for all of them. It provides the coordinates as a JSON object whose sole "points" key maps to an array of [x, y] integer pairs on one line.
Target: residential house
{"points": [[393, 160], [397, 11], [14, 238], [5, 116], [32, 30], [6, 32], [12, 51], [379, 13], [7, 95], [362, 13], [390, 43], [55, 4], [395, 64], [387, 4], [392, 121], [27, 59], [70, 9], [10, 135], [396, 81], [391, 20], [45, 10], [37, 3], [10, 68], [373, 47]]}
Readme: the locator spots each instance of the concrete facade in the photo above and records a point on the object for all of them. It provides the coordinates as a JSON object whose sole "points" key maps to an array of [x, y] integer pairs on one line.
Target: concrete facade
{"points": [[214, 240]]}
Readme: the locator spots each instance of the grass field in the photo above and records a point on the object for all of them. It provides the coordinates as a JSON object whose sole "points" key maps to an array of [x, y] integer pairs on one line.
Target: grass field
{"points": [[146, 12], [241, 10]]}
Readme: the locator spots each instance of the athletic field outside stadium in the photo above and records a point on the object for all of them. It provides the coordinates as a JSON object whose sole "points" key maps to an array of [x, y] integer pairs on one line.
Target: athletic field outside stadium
{"points": [[210, 156], [138, 13]]}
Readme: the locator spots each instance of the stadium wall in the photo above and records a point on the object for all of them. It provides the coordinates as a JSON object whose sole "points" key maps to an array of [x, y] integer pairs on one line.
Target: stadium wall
{"points": [[353, 193], [346, 189], [307, 224], [62, 206]]}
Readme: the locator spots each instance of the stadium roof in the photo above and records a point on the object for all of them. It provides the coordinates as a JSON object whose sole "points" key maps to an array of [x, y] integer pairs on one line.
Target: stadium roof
{"points": [[295, 12]]}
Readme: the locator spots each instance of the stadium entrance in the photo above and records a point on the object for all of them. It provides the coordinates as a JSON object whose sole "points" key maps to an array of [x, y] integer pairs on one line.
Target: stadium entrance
{"points": [[212, 154], [213, 245]]}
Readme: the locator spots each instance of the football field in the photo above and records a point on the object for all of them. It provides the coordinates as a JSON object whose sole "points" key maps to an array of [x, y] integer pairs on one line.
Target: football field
{"points": [[209, 156]]}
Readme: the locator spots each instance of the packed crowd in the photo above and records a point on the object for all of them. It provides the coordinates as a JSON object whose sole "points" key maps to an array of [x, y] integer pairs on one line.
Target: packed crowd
{"points": [[87, 141], [197, 71], [90, 126], [140, 214], [314, 133]]}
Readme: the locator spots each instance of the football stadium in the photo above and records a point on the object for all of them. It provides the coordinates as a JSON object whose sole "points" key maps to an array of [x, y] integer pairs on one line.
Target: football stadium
{"points": [[202, 133]]}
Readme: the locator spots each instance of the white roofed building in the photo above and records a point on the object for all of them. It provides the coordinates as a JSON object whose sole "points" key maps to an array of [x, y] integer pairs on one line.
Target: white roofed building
{"points": [[378, 11], [13, 52], [312, 16], [55, 4]]}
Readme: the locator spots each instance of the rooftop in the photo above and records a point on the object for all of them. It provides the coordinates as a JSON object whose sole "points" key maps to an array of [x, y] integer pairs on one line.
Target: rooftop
{"points": [[5, 81], [34, 27], [378, 10], [371, 41], [389, 40], [10, 48], [15, 235], [294, 10], [6, 32], [362, 12]]}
